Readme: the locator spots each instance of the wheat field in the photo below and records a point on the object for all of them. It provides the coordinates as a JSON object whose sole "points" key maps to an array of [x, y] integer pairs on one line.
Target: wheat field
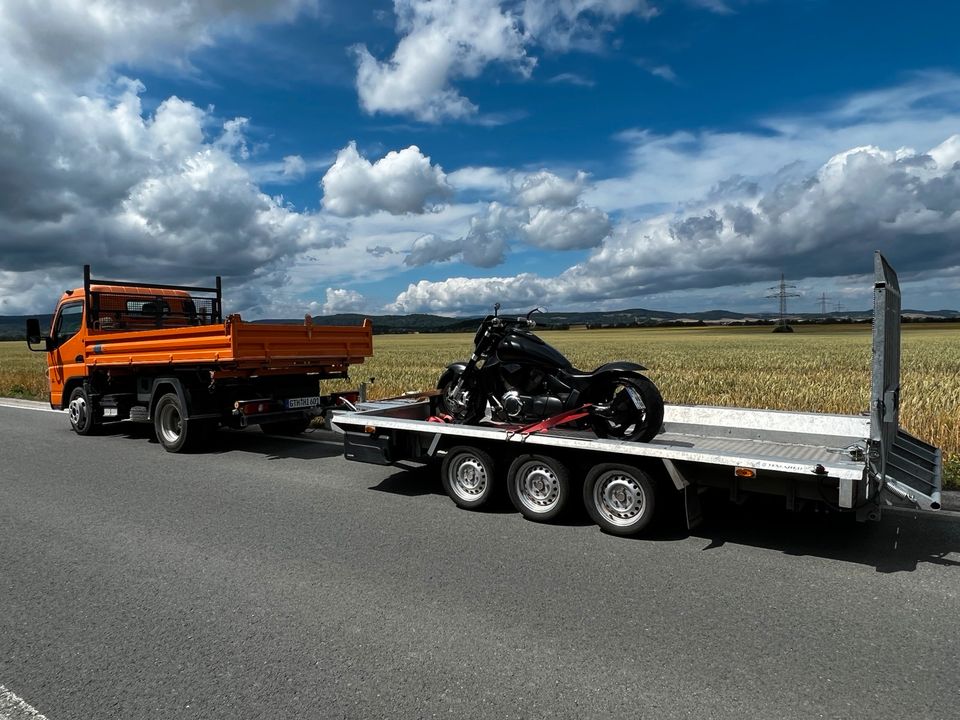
{"points": [[817, 368]]}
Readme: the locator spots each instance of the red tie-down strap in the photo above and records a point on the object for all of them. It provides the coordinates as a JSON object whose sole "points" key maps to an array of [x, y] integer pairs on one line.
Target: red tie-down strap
{"points": [[442, 418], [560, 419]]}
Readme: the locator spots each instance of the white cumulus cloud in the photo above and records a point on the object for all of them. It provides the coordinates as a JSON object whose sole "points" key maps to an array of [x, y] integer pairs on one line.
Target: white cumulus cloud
{"points": [[443, 41], [87, 175], [402, 181], [567, 228], [546, 188], [76, 40], [903, 202], [341, 300]]}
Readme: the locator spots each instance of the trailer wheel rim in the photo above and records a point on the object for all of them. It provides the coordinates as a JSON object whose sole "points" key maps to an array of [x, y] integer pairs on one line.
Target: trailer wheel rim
{"points": [[78, 412], [619, 498], [538, 487], [468, 477], [171, 423]]}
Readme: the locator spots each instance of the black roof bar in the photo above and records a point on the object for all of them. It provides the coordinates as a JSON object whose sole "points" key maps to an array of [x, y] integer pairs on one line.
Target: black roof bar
{"points": [[88, 281]]}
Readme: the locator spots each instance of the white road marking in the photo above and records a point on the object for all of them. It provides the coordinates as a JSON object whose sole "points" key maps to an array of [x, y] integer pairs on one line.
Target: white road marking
{"points": [[13, 707], [27, 405]]}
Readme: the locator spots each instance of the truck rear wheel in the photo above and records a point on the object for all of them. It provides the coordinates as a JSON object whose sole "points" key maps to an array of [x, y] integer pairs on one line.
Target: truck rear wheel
{"points": [[82, 412], [469, 476], [174, 431], [539, 487], [619, 498]]}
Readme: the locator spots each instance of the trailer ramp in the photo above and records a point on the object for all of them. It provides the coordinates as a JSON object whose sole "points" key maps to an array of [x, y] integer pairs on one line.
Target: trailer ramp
{"points": [[903, 470]]}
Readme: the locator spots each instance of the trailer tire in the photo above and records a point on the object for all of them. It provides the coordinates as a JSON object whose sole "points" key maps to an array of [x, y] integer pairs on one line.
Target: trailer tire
{"points": [[539, 487], [82, 413], [621, 499], [469, 476], [174, 431]]}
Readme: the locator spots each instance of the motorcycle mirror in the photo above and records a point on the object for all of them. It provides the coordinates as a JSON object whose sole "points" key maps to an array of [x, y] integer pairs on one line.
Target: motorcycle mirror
{"points": [[535, 310], [496, 309]]}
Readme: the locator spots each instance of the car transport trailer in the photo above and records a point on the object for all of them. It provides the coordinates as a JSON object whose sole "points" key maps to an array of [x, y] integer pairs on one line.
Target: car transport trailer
{"points": [[858, 464]]}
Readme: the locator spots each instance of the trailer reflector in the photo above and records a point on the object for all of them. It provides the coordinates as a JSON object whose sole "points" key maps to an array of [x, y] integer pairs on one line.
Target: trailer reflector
{"points": [[745, 472]]}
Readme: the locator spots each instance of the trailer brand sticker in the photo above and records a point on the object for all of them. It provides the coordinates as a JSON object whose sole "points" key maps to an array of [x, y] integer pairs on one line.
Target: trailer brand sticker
{"points": [[304, 402]]}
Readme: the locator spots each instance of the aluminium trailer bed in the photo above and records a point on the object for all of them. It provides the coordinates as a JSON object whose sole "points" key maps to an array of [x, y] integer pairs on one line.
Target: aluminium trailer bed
{"points": [[853, 463]]}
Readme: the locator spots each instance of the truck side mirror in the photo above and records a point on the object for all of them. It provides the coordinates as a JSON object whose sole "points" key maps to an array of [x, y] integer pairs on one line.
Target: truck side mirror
{"points": [[34, 336]]}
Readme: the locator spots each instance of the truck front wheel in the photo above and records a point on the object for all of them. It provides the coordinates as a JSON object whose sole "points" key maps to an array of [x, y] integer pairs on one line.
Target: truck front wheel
{"points": [[82, 413], [174, 431]]}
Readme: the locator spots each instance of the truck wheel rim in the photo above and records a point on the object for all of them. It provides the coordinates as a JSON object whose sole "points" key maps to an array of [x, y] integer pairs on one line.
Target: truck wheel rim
{"points": [[538, 487], [78, 412], [468, 478], [171, 424], [619, 498]]}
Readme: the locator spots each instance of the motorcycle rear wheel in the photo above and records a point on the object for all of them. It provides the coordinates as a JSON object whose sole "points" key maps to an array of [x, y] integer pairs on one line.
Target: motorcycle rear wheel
{"points": [[636, 409]]}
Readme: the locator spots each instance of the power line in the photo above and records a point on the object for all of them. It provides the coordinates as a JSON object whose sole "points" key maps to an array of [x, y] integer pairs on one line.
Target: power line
{"points": [[823, 303], [782, 293]]}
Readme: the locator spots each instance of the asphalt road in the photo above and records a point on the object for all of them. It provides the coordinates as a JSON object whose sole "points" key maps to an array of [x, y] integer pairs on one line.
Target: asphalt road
{"points": [[273, 579]]}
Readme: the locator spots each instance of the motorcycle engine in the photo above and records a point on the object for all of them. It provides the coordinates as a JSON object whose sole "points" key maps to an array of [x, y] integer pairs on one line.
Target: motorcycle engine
{"points": [[516, 406], [512, 404], [525, 379]]}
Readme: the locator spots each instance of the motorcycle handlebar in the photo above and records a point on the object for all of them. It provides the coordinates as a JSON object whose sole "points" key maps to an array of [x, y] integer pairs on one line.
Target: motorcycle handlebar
{"points": [[519, 322]]}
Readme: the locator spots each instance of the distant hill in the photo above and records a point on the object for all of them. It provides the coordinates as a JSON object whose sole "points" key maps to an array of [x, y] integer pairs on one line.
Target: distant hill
{"points": [[12, 326]]}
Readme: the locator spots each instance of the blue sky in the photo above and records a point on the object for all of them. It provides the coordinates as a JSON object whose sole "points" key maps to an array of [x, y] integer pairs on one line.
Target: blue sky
{"points": [[438, 156]]}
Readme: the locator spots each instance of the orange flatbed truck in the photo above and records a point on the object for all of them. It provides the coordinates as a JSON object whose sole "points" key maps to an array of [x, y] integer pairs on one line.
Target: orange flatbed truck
{"points": [[165, 355]]}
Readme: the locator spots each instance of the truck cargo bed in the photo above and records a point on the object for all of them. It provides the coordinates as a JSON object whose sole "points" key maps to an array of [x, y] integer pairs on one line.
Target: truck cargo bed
{"points": [[234, 345]]}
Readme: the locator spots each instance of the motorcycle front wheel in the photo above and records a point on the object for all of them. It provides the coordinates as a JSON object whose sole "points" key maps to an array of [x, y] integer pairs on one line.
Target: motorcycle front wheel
{"points": [[465, 405], [628, 407]]}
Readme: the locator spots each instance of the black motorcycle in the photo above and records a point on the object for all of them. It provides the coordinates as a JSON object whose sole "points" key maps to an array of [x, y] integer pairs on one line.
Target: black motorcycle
{"points": [[519, 378]]}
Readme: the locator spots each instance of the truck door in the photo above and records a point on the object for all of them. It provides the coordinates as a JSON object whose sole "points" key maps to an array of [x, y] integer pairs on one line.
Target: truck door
{"points": [[66, 356]]}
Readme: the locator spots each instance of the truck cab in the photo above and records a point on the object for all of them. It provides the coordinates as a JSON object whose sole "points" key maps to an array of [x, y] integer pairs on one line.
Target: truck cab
{"points": [[112, 309]]}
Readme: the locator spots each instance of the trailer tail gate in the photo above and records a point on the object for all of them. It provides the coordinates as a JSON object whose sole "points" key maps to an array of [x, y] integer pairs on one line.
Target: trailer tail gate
{"points": [[905, 467]]}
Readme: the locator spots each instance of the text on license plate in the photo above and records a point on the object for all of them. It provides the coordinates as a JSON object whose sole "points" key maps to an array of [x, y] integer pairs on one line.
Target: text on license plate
{"points": [[302, 402]]}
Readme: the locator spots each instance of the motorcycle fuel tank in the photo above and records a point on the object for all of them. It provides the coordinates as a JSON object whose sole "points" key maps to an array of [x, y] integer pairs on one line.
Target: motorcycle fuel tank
{"points": [[521, 347]]}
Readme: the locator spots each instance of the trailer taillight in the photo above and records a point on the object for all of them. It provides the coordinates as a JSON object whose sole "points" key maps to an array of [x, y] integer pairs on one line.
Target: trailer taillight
{"points": [[745, 472]]}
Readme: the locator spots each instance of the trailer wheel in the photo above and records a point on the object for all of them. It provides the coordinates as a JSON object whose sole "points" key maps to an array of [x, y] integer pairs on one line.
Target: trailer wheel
{"points": [[174, 431], [620, 498], [539, 487], [82, 413], [469, 476]]}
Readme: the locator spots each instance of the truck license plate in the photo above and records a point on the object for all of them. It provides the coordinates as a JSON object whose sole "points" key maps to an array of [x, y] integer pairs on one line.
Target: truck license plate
{"points": [[304, 402]]}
